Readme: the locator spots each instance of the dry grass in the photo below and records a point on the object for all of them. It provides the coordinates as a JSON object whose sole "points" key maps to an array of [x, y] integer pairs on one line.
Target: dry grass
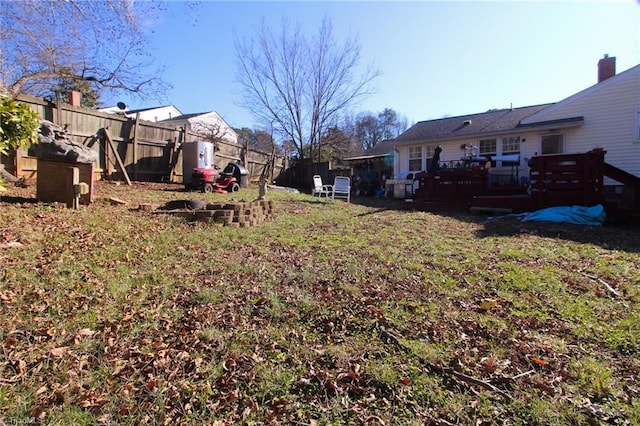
{"points": [[333, 313]]}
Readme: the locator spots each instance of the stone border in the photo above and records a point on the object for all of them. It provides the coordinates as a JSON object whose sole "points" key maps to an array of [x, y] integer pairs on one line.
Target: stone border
{"points": [[235, 213]]}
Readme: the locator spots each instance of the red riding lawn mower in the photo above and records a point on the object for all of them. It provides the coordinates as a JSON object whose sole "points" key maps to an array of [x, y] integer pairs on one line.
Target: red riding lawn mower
{"points": [[211, 180]]}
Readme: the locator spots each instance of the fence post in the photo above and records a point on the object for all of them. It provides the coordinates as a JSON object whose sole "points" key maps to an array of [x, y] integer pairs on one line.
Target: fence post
{"points": [[135, 147], [73, 179]]}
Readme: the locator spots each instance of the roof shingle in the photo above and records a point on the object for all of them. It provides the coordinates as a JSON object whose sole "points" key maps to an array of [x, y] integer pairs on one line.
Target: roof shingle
{"points": [[492, 121]]}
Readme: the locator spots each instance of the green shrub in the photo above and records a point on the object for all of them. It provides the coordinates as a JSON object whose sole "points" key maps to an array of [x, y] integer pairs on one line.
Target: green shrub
{"points": [[19, 126]]}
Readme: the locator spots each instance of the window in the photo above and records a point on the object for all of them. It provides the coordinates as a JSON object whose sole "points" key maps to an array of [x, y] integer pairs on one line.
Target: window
{"points": [[487, 147], [415, 158], [552, 144], [511, 146], [430, 151]]}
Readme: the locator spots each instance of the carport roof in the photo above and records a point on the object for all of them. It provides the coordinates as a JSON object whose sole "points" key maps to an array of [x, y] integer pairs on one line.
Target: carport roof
{"points": [[381, 149]]}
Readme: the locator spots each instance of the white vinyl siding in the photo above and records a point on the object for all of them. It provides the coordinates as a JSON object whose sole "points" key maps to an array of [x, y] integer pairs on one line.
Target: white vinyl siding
{"points": [[610, 110]]}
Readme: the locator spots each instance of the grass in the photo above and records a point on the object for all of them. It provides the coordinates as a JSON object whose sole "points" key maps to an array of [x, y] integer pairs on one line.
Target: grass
{"points": [[114, 315]]}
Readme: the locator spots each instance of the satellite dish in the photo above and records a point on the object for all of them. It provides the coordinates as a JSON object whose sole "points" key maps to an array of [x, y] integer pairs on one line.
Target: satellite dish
{"points": [[121, 105]]}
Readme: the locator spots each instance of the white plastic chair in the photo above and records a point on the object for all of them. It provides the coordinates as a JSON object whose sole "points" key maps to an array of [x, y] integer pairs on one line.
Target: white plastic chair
{"points": [[342, 188], [319, 189]]}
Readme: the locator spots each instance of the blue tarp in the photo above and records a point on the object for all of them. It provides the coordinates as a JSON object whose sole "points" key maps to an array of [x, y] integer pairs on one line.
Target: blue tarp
{"points": [[579, 215]]}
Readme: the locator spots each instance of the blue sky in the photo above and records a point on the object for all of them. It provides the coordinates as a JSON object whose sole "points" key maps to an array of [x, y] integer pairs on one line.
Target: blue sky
{"points": [[436, 58]]}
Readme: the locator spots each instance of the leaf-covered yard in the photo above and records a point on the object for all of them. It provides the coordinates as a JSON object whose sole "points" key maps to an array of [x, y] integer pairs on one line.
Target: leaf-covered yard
{"points": [[332, 313]]}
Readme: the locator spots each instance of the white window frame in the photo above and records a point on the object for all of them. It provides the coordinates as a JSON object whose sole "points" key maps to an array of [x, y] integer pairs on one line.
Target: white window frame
{"points": [[492, 153], [413, 157], [430, 150], [511, 142], [562, 143]]}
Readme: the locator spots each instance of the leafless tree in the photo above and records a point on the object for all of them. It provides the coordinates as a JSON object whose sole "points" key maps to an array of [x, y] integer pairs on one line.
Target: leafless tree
{"points": [[300, 85], [370, 129], [43, 42], [211, 131]]}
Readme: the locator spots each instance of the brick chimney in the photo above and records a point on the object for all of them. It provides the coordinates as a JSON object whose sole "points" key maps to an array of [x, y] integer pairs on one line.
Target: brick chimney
{"points": [[74, 98], [606, 68]]}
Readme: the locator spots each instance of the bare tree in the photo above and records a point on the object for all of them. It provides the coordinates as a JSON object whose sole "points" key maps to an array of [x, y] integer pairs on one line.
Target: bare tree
{"points": [[211, 131], [337, 144], [369, 129], [43, 43], [300, 85], [391, 124]]}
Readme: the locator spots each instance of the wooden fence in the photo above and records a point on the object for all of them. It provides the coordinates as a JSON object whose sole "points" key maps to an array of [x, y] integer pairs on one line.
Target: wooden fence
{"points": [[146, 151]]}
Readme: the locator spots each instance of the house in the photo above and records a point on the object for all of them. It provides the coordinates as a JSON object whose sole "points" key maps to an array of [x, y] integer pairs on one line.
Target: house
{"points": [[473, 137], [605, 115], [610, 112], [209, 124], [154, 114]]}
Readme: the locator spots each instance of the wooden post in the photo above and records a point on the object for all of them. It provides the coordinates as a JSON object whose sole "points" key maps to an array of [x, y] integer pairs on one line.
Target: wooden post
{"points": [[115, 153], [59, 110], [17, 170], [135, 147], [107, 160], [175, 153], [73, 179]]}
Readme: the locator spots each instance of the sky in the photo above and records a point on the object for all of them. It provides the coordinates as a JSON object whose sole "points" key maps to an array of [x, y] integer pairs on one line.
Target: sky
{"points": [[435, 58]]}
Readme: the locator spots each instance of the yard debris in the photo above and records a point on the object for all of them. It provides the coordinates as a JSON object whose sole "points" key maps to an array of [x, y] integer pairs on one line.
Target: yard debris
{"points": [[184, 204], [388, 337], [611, 290], [11, 244], [147, 207], [117, 201], [54, 143], [486, 305]]}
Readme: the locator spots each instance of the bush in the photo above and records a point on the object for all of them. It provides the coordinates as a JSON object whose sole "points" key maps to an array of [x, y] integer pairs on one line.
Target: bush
{"points": [[19, 126]]}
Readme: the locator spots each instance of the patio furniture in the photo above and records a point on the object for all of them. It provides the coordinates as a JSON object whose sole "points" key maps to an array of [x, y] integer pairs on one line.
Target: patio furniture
{"points": [[319, 189], [341, 188]]}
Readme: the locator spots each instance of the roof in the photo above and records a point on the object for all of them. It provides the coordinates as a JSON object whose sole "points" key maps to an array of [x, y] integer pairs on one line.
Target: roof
{"points": [[558, 123], [381, 149], [485, 123], [133, 111], [186, 116]]}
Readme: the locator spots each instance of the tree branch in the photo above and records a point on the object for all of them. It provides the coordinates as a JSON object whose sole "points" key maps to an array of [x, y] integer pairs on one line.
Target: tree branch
{"points": [[433, 368]]}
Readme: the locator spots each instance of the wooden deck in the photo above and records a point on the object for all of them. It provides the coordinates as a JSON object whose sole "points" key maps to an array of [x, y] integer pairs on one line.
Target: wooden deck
{"points": [[555, 180]]}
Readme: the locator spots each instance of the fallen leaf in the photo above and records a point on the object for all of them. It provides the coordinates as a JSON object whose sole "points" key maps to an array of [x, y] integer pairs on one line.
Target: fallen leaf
{"points": [[59, 352], [86, 332], [539, 362], [487, 305]]}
